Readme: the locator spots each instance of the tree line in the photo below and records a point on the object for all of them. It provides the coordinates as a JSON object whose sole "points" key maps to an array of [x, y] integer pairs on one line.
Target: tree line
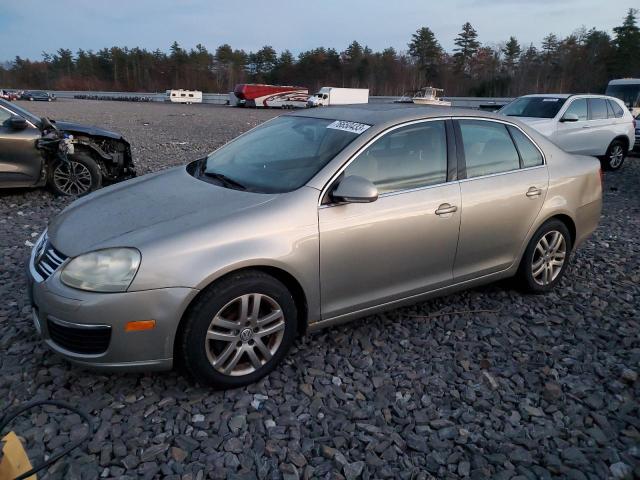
{"points": [[582, 62]]}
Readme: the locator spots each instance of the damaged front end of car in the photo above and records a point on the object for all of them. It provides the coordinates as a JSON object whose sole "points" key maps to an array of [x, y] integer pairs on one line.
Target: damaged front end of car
{"points": [[110, 150]]}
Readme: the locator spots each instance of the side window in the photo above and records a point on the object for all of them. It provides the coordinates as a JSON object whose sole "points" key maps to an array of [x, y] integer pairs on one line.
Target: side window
{"points": [[4, 116], [408, 157], [617, 109], [598, 108], [531, 156], [579, 108], [487, 148]]}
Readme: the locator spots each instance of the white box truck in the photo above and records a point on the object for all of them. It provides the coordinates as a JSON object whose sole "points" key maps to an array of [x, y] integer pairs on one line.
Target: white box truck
{"points": [[338, 96]]}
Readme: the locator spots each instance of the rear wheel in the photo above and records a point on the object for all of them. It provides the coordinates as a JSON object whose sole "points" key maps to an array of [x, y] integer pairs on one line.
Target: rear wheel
{"points": [[616, 153], [546, 258], [239, 330], [77, 176]]}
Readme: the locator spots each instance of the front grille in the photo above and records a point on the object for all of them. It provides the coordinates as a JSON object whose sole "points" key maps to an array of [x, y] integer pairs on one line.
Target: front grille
{"points": [[47, 259], [83, 340]]}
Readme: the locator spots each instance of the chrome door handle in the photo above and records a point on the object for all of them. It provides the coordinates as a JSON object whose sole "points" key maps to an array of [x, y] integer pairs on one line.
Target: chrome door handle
{"points": [[534, 192], [445, 208], [586, 126]]}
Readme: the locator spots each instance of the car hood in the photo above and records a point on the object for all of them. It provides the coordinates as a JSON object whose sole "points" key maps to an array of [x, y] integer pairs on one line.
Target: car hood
{"points": [[145, 209], [543, 125], [86, 129]]}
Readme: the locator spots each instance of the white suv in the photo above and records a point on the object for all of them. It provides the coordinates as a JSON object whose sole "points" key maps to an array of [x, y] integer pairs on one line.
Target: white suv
{"points": [[584, 124]]}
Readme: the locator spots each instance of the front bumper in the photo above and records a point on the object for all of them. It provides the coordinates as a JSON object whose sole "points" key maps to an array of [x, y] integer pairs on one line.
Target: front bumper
{"points": [[58, 308]]}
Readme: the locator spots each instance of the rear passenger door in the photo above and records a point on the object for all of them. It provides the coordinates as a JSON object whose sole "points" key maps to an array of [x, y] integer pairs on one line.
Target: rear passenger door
{"points": [[503, 185], [600, 127]]}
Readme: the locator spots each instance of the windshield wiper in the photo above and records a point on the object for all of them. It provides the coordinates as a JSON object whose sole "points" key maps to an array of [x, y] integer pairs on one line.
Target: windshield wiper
{"points": [[226, 181]]}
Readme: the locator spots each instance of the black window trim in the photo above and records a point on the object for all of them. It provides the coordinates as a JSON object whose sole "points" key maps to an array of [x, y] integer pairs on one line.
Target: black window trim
{"points": [[461, 156]]}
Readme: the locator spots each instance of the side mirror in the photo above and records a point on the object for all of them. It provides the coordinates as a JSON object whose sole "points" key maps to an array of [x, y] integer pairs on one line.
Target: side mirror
{"points": [[17, 123], [354, 189], [569, 117]]}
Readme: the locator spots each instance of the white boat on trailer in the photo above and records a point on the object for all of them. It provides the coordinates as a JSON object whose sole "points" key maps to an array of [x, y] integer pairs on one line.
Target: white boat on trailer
{"points": [[430, 96]]}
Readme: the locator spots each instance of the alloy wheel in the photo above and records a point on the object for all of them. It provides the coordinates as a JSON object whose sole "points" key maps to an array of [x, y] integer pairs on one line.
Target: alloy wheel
{"points": [[245, 334], [616, 156], [72, 178], [548, 257]]}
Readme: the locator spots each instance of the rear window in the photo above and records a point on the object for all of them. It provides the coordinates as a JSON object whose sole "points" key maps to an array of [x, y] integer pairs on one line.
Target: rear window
{"points": [[598, 108], [531, 156], [618, 112], [537, 107]]}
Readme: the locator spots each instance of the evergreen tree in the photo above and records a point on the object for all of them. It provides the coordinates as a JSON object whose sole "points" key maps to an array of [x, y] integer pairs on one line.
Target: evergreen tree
{"points": [[467, 46], [511, 52], [426, 52], [627, 45]]}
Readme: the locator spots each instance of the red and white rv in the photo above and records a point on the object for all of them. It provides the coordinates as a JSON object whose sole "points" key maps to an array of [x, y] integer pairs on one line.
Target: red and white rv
{"points": [[277, 96]]}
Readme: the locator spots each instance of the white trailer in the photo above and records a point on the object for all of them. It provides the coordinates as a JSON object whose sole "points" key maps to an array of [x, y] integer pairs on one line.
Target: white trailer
{"points": [[184, 96], [338, 96]]}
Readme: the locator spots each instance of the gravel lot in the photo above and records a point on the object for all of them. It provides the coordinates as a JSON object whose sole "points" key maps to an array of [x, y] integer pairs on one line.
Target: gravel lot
{"points": [[493, 385]]}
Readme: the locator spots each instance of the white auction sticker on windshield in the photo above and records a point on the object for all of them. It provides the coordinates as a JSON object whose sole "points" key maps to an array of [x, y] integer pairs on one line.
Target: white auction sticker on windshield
{"points": [[353, 127], [550, 99]]}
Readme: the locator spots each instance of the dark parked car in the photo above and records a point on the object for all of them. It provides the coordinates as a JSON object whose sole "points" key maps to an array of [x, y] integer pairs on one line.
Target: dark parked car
{"points": [[636, 145], [38, 96], [72, 159]]}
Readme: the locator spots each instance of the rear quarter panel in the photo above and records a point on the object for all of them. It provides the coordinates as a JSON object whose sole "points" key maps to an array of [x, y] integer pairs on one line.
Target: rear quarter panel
{"points": [[575, 190]]}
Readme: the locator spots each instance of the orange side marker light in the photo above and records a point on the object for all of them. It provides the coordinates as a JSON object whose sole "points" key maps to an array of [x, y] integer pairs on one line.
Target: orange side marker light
{"points": [[140, 325]]}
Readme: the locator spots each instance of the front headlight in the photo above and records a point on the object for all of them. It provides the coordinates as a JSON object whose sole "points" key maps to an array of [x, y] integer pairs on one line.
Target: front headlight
{"points": [[108, 270]]}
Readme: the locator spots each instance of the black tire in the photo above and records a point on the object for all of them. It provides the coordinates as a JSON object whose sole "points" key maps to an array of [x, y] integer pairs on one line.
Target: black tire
{"points": [[195, 350], [82, 163], [530, 283], [615, 156]]}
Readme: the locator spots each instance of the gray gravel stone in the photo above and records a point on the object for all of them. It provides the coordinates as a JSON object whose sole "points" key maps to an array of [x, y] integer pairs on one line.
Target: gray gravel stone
{"points": [[621, 470]]}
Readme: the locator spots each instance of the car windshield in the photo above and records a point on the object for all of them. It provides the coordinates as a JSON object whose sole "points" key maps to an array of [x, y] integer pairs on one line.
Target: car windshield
{"points": [[22, 112], [281, 155], [537, 107], [629, 94]]}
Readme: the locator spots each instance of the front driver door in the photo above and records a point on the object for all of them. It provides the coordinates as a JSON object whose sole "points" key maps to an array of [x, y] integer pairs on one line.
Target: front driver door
{"points": [[20, 160], [396, 246], [574, 136]]}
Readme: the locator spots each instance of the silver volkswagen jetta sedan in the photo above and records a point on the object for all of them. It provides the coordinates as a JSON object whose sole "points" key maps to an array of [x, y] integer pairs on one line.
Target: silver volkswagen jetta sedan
{"points": [[309, 220]]}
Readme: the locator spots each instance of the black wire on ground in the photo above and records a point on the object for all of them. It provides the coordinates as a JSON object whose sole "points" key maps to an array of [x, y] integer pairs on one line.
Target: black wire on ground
{"points": [[11, 416]]}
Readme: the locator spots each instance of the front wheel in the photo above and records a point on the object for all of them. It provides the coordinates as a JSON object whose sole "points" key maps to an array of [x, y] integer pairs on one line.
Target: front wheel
{"points": [[614, 158], [546, 258], [76, 176], [238, 330]]}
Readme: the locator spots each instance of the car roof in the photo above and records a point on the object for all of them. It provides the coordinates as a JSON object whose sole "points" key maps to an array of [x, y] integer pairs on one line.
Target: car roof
{"points": [[553, 95], [386, 113], [625, 81], [567, 95]]}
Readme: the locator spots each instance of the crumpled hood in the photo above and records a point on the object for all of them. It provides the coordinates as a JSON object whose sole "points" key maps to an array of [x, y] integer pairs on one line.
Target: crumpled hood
{"points": [[86, 129], [145, 208]]}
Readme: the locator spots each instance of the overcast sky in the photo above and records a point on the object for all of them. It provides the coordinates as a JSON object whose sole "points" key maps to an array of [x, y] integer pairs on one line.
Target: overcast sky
{"points": [[29, 27]]}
